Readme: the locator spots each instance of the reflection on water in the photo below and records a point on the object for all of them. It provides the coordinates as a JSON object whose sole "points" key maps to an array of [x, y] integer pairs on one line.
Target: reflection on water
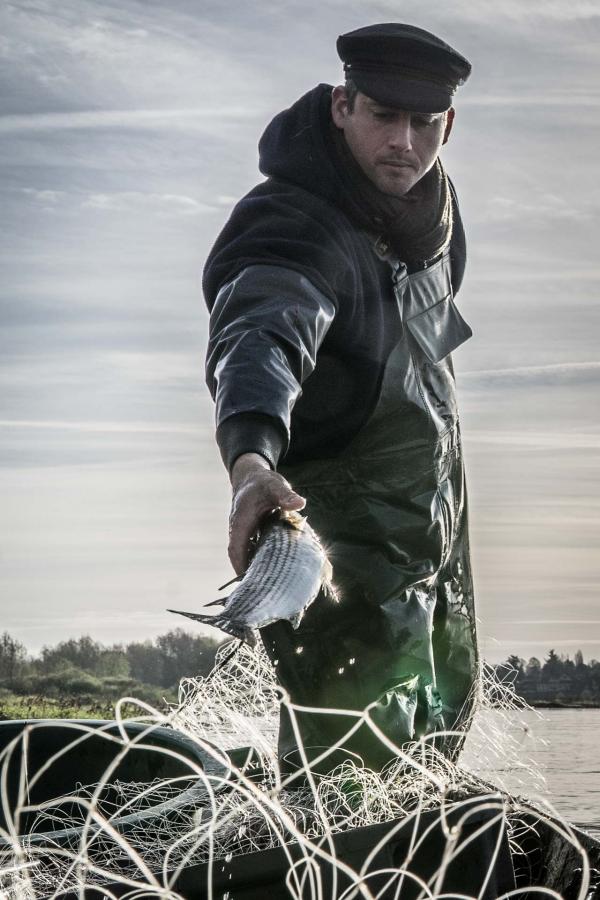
{"points": [[564, 745]]}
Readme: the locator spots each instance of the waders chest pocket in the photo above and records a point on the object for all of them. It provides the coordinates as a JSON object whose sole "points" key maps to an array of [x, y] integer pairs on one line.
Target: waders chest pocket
{"points": [[439, 329]]}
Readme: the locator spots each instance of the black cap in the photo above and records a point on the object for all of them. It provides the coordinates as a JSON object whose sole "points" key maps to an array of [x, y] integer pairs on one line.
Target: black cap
{"points": [[403, 66]]}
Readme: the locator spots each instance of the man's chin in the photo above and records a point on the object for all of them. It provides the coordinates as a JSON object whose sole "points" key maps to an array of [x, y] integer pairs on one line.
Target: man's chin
{"points": [[396, 189], [396, 185]]}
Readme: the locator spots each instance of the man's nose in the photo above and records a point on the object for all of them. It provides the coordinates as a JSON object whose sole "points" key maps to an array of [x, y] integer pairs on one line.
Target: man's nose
{"points": [[400, 137]]}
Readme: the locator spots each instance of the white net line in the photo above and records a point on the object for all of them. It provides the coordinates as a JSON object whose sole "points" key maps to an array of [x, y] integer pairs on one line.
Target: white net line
{"points": [[210, 817], [500, 744]]}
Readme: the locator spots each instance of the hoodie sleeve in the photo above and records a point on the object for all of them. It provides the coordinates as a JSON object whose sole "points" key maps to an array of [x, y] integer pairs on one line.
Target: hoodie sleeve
{"points": [[266, 327]]}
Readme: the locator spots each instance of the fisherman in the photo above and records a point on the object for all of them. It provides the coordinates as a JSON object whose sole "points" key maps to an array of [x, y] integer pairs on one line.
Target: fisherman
{"points": [[331, 291]]}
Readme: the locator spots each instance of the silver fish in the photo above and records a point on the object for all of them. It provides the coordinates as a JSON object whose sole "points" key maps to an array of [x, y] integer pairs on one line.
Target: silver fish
{"points": [[285, 575]]}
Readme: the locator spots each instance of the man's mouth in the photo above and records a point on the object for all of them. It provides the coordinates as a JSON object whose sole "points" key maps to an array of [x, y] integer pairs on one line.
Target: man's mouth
{"points": [[396, 165]]}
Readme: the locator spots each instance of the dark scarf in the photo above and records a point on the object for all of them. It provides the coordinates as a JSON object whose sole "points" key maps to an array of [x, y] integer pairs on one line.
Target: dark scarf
{"points": [[417, 225]]}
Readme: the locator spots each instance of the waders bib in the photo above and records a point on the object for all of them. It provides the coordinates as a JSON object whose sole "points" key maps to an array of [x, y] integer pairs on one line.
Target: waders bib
{"points": [[391, 511]]}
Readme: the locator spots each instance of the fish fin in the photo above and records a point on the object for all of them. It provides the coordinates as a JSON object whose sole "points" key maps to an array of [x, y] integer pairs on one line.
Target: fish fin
{"points": [[221, 601], [228, 583], [197, 616], [236, 629], [330, 591], [232, 627]]}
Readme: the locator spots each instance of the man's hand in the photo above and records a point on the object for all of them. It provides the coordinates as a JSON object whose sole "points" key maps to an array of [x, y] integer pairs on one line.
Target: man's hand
{"points": [[256, 492]]}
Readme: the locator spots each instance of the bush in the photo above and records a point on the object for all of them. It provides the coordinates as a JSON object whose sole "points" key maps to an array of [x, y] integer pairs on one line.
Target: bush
{"points": [[155, 696], [32, 683], [70, 681], [118, 685]]}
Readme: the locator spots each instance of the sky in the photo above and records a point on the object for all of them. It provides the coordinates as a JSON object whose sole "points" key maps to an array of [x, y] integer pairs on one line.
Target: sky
{"points": [[128, 131]]}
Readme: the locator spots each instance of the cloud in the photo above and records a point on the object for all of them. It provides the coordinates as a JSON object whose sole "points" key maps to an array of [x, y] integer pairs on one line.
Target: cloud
{"points": [[549, 642], [538, 208], [556, 372], [142, 202], [156, 367], [157, 119], [551, 98], [104, 54], [565, 622], [43, 196], [101, 427], [137, 201], [536, 440], [533, 12]]}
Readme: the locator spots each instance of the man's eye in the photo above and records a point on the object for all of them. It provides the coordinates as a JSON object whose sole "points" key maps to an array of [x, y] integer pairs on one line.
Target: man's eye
{"points": [[383, 115], [422, 121]]}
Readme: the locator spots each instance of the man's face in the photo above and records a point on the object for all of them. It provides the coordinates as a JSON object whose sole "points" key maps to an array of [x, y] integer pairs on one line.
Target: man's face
{"points": [[393, 147]]}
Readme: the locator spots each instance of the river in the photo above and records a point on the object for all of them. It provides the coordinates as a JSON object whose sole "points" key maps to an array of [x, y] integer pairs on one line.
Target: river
{"points": [[549, 754]]}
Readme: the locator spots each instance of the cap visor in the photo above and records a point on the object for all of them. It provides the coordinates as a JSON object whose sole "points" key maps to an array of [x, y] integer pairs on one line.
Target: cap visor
{"points": [[415, 96]]}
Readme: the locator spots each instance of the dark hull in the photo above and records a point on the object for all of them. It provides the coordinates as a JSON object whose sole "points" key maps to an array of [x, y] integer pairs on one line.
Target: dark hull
{"points": [[549, 857], [497, 845]]}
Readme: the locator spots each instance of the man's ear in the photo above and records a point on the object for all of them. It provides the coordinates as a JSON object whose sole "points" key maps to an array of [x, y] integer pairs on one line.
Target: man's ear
{"points": [[449, 121], [339, 105]]}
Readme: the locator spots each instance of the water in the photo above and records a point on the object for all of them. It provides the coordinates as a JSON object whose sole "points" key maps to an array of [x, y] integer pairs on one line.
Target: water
{"points": [[565, 747]]}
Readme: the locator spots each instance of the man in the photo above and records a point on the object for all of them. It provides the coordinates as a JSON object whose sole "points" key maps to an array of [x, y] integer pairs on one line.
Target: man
{"points": [[332, 322]]}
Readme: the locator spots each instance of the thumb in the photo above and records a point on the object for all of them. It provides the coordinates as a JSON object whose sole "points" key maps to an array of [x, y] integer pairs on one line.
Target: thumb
{"points": [[291, 500]]}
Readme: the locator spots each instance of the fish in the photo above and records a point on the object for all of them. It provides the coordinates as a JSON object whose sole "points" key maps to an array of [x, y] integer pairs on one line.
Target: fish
{"points": [[287, 571]]}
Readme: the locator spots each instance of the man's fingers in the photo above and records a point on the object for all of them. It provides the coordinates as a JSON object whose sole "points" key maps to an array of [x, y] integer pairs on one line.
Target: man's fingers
{"points": [[255, 497], [243, 528], [239, 540], [244, 523]]}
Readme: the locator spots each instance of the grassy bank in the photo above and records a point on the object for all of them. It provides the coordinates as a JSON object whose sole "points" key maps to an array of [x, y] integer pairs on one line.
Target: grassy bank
{"points": [[14, 706]]}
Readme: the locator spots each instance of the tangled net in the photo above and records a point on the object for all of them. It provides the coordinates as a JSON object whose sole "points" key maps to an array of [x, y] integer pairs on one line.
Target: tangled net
{"points": [[142, 835]]}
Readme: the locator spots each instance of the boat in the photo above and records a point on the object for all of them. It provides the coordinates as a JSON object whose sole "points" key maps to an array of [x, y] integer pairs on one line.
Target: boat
{"points": [[482, 844]]}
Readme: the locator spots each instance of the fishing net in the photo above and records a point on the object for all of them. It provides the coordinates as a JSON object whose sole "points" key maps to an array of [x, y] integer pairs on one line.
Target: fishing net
{"points": [[141, 835]]}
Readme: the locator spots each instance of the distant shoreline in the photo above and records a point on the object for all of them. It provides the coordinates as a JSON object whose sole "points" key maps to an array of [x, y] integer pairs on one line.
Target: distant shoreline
{"points": [[556, 704]]}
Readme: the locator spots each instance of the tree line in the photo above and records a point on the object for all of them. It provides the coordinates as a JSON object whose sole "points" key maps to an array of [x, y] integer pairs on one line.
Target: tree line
{"points": [[83, 666], [557, 680], [146, 669]]}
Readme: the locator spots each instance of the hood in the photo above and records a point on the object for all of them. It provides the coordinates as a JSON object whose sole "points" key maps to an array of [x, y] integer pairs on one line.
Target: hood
{"points": [[295, 148]]}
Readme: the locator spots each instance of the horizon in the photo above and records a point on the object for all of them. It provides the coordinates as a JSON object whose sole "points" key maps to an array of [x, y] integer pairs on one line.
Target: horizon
{"points": [[222, 638]]}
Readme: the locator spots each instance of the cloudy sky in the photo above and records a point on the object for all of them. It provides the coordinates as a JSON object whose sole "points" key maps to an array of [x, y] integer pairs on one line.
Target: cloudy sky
{"points": [[127, 132]]}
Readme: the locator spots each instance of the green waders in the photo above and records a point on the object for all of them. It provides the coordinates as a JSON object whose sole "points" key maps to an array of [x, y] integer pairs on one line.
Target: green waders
{"points": [[391, 510]]}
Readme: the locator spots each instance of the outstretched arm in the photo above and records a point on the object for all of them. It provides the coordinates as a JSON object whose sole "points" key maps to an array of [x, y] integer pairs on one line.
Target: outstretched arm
{"points": [[266, 328]]}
